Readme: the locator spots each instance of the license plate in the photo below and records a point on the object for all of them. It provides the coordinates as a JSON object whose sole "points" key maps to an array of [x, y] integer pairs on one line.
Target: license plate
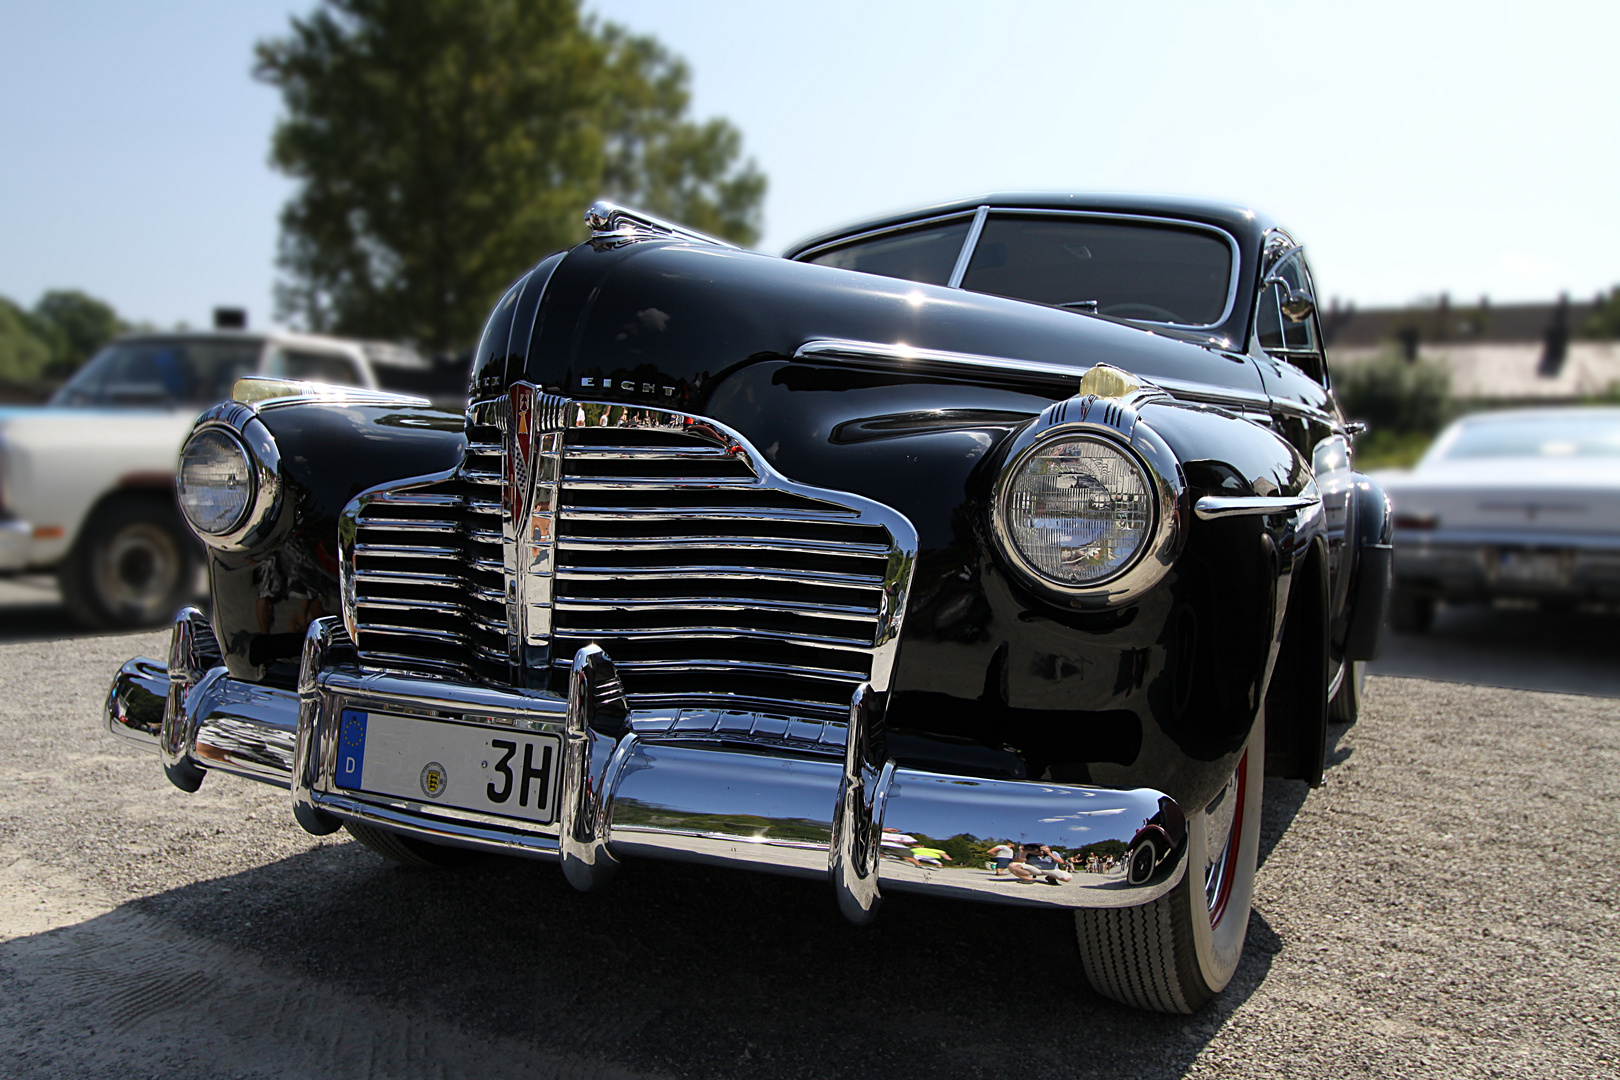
{"points": [[1538, 566], [511, 773]]}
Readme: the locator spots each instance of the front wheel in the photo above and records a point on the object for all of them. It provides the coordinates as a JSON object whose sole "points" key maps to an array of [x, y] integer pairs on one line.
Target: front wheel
{"points": [[1176, 953]]}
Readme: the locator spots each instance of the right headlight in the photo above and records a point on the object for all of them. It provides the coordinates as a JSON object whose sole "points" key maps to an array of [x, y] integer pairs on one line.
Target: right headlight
{"points": [[229, 479], [216, 481], [1078, 510]]}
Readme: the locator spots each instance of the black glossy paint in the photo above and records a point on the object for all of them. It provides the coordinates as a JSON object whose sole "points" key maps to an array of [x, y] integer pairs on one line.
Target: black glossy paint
{"points": [[265, 597], [991, 678]]}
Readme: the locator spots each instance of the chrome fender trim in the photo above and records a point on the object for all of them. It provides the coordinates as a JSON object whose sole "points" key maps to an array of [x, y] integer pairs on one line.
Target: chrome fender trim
{"points": [[1215, 507]]}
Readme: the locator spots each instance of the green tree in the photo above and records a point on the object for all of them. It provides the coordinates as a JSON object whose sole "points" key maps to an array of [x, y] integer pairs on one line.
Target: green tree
{"points": [[443, 146], [1605, 320], [76, 325], [24, 353]]}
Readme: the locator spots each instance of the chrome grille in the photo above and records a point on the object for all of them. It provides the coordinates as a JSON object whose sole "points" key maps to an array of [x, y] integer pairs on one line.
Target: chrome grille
{"points": [[424, 578], [709, 582], [716, 586]]}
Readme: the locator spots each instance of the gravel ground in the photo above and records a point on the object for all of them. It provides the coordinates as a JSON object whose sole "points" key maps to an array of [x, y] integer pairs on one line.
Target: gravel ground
{"points": [[1446, 905]]}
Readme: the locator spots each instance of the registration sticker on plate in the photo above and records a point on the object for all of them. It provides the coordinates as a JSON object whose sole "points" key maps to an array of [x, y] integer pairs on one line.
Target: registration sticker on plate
{"points": [[511, 773]]}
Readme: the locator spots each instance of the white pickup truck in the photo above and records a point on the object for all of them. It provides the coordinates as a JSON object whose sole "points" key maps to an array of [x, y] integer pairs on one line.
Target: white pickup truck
{"points": [[87, 480]]}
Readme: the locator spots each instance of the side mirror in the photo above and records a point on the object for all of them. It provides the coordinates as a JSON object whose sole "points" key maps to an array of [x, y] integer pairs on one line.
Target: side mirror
{"points": [[1297, 304]]}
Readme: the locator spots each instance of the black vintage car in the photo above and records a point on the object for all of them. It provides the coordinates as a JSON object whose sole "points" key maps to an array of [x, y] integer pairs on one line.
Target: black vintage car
{"points": [[1020, 521]]}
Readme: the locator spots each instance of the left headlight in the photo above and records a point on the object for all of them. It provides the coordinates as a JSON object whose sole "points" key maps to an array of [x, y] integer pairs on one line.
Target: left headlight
{"points": [[216, 482], [1078, 510]]}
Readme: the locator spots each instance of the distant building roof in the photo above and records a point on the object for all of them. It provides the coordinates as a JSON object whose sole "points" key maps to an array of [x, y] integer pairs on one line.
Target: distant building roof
{"points": [[1480, 322]]}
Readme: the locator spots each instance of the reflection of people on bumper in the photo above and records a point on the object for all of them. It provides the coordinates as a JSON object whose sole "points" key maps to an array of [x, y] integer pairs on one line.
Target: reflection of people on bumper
{"points": [[1037, 860], [927, 856], [898, 845], [1003, 854]]}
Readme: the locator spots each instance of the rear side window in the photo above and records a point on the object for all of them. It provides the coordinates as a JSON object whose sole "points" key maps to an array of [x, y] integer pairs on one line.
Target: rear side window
{"points": [[927, 254], [1130, 270]]}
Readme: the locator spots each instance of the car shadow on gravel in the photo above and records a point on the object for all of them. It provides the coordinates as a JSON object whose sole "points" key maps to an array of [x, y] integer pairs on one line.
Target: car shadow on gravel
{"points": [[671, 969], [31, 610], [1284, 798]]}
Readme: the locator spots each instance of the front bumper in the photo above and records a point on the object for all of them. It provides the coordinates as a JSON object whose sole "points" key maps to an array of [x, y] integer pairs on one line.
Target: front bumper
{"points": [[16, 544], [722, 799]]}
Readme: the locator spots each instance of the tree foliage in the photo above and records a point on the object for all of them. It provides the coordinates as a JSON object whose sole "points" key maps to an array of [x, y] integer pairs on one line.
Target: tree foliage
{"points": [[1395, 395], [76, 325], [23, 354], [444, 146], [50, 342], [1605, 320]]}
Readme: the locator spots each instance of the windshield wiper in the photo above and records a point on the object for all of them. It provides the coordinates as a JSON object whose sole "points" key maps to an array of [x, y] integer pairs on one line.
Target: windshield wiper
{"points": [[1079, 305]]}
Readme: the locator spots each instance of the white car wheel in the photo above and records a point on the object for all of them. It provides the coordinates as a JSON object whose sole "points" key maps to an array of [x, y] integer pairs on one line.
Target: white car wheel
{"points": [[133, 565], [1176, 953], [1345, 705]]}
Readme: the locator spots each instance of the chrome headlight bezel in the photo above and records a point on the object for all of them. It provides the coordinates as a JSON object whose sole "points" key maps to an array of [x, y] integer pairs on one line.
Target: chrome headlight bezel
{"points": [[233, 444], [241, 424], [1117, 426]]}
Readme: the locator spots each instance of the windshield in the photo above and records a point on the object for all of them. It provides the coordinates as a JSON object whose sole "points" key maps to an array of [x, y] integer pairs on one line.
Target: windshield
{"points": [[1547, 436], [160, 373], [1127, 269], [927, 254]]}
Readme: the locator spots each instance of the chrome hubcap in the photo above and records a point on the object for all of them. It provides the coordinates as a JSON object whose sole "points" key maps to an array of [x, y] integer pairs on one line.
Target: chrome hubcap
{"points": [[138, 569]]}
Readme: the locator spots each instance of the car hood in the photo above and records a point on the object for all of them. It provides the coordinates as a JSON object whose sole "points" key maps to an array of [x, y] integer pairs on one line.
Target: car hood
{"points": [[660, 323]]}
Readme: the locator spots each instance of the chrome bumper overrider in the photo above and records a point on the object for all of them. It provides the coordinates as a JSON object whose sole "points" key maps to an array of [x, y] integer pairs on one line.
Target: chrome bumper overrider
{"points": [[625, 793]]}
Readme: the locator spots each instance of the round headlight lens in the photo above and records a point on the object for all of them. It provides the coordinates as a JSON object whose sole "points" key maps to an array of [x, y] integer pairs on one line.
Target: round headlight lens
{"points": [[216, 482], [1078, 510]]}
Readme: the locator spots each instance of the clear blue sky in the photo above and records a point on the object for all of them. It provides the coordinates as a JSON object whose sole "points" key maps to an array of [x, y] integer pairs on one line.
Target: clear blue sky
{"points": [[1415, 148]]}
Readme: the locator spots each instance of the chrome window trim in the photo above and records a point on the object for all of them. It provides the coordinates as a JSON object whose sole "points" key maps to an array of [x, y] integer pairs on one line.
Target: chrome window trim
{"points": [[971, 241], [905, 226], [1231, 243]]}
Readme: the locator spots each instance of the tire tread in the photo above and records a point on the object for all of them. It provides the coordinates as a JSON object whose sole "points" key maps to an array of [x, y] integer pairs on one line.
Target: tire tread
{"points": [[406, 850]]}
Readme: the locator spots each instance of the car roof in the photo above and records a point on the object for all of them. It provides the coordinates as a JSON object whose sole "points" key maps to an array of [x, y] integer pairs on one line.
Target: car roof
{"points": [[1242, 222]]}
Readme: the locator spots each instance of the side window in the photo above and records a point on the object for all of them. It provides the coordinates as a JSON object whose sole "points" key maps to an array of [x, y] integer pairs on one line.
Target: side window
{"points": [[314, 366], [1295, 340], [926, 254]]}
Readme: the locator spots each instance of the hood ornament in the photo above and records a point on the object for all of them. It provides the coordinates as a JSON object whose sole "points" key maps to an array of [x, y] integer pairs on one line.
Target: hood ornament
{"points": [[613, 225]]}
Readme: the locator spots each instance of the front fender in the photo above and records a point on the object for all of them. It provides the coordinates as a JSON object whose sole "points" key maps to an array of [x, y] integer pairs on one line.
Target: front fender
{"points": [[266, 596], [1367, 600]]}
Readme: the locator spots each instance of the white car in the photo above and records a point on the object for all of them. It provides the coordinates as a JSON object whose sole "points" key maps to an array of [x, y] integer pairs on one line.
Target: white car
{"points": [[87, 481], [1520, 504]]}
